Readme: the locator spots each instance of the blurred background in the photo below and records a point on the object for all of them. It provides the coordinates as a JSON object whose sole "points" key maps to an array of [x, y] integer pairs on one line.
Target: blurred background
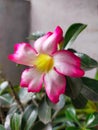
{"points": [[19, 18]]}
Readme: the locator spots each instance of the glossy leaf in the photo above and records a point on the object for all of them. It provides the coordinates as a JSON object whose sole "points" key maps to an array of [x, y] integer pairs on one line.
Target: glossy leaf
{"points": [[74, 86], [72, 33], [31, 119], [44, 112], [90, 119], [2, 127], [35, 36], [5, 88], [95, 122], [24, 93], [28, 118], [15, 122], [90, 88], [87, 62], [71, 114]]}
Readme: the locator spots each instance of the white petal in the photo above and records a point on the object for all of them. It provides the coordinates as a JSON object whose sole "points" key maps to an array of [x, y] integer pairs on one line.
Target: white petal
{"points": [[55, 85]]}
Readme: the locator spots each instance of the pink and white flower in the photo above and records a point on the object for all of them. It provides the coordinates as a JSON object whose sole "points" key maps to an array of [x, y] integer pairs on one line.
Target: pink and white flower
{"points": [[48, 65]]}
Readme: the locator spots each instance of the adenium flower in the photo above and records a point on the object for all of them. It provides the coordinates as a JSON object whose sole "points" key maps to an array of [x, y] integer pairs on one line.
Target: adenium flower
{"points": [[48, 65]]}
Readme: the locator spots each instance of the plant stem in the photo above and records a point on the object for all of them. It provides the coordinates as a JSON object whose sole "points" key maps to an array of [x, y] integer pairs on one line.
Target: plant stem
{"points": [[1, 115], [55, 114], [16, 98]]}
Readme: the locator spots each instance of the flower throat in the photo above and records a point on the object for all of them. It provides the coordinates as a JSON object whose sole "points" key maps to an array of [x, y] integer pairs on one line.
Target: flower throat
{"points": [[44, 63]]}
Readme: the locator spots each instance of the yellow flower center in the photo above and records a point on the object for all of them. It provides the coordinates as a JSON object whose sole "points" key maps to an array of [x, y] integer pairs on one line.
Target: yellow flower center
{"points": [[44, 62]]}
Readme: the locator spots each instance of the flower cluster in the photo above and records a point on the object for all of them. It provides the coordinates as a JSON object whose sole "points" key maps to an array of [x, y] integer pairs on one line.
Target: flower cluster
{"points": [[48, 64]]}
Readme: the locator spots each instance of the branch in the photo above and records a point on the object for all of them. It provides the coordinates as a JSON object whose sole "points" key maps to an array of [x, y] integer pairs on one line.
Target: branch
{"points": [[16, 98]]}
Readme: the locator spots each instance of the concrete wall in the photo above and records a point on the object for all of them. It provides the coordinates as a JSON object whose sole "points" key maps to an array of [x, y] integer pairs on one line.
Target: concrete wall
{"points": [[14, 28]]}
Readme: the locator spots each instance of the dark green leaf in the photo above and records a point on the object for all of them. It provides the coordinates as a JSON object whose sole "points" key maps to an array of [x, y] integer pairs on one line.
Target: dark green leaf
{"points": [[72, 128], [71, 114], [2, 127], [80, 101], [87, 62], [35, 36], [90, 88], [29, 114], [72, 33], [44, 112], [15, 122], [74, 86], [38, 126]]}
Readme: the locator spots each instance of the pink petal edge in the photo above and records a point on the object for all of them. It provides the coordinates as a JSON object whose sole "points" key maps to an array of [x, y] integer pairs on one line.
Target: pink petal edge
{"points": [[31, 79], [23, 54]]}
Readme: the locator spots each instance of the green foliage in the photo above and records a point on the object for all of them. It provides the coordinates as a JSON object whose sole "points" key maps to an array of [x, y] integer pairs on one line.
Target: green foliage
{"points": [[95, 122], [87, 62], [28, 118], [1, 127], [44, 112], [72, 33], [35, 36], [90, 88], [15, 122]]}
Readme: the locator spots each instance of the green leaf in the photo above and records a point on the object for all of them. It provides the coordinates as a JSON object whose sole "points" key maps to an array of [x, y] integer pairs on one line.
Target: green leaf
{"points": [[5, 88], [74, 86], [87, 62], [35, 36], [96, 75], [80, 101], [72, 128], [90, 89], [2, 127], [31, 119], [38, 126], [95, 122], [5, 99], [72, 33], [24, 93], [15, 122], [44, 112], [71, 114], [90, 119], [29, 116]]}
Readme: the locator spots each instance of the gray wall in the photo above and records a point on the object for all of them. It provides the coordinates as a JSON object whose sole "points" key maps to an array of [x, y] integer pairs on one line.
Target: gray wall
{"points": [[14, 28]]}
